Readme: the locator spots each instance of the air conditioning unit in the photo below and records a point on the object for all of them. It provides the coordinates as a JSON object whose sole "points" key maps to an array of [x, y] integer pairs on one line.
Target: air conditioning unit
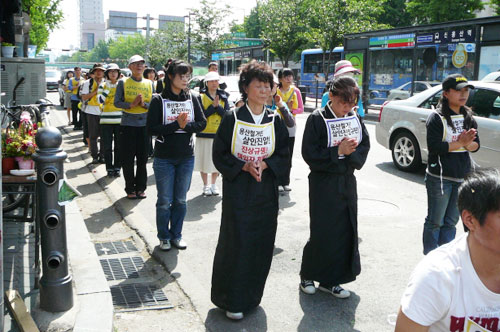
{"points": [[33, 87]]}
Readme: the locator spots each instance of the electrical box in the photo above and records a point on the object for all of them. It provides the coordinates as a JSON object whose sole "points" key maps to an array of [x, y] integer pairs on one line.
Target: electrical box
{"points": [[33, 87]]}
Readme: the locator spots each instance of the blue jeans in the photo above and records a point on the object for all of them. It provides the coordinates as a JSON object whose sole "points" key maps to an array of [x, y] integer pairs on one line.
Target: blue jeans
{"points": [[442, 212], [173, 179]]}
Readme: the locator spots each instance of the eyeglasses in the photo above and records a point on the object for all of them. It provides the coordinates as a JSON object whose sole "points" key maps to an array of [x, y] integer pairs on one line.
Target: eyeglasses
{"points": [[185, 77]]}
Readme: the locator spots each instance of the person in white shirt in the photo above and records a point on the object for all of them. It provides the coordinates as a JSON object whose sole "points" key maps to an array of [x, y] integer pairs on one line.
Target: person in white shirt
{"points": [[456, 287]]}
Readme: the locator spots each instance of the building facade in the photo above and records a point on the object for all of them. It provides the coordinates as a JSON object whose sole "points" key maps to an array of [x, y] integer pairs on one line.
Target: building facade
{"points": [[92, 27]]}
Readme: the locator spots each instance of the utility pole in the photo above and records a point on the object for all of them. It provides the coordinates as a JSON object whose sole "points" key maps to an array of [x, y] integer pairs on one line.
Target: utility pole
{"points": [[148, 19], [189, 38]]}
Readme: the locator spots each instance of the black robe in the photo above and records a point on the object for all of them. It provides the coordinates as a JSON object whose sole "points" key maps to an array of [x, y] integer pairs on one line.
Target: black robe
{"points": [[249, 218], [331, 255]]}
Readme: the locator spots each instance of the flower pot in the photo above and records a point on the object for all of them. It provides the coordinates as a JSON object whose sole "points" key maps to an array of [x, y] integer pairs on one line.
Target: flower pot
{"points": [[8, 164], [25, 163], [31, 51], [8, 51]]}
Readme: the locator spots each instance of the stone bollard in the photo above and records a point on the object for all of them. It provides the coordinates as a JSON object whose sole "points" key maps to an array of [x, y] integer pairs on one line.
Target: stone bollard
{"points": [[56, 291]]}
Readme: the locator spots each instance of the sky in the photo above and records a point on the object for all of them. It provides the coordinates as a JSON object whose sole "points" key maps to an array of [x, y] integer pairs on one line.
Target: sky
{"points": [[67, 34]]}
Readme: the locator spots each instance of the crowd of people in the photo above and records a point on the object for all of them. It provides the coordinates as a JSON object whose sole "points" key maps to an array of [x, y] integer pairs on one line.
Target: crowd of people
{"points": [[251, 146]]}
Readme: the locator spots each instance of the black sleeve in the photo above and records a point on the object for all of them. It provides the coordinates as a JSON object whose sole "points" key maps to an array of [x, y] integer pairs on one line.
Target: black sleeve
{"points": [[278, 162], [159, 86], [435, 143], [315, 152], [358, 158], [200, 121], [154, 122], [227, 164]]}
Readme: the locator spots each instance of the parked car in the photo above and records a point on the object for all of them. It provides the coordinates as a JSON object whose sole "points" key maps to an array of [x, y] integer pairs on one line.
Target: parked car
{"points": [[231, 83], [52, 79], [402, 129], [404, 91], [492, 77]]}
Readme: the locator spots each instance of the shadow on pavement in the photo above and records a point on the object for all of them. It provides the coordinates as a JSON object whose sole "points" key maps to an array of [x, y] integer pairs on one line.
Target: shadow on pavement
{"points": [[200, 205], [323, 312], [285, 201], [417, 177], [168, 258], [73, 173], [255, 321], [101, 220]]}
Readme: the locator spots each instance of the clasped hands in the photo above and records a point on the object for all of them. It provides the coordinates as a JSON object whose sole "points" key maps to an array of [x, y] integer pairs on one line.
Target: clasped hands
{"points": [[255, 168], [347, 146]]}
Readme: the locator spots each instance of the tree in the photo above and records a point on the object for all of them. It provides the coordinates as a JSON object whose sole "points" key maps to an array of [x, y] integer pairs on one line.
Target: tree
{"points": [[495, 4], [284, 26], [207, 30], [435, 11], [330, 21], [100, 53], [124, 47], [395, 14], [251, 24], [45, 16], [168, 42]]}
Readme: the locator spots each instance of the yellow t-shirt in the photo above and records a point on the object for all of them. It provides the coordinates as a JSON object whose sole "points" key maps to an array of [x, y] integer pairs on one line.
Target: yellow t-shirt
{"points": [[285, 96], [93, 101], [132, 88], [213, 121], [75, 83]]}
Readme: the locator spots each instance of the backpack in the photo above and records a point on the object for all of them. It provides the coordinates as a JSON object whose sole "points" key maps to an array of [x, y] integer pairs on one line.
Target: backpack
{"points": [[78, 93]]}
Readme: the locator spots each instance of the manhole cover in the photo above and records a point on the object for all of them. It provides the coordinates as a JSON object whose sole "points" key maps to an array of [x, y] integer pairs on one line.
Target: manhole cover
{"points": [[133, 297], [122, 268], [376, 208], [116, 247]]}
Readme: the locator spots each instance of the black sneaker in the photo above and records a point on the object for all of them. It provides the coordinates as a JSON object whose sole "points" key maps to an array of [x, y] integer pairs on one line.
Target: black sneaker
{"points": [[95, 161], [307, 286], [336, 291], [116, 173], [111, 174]]}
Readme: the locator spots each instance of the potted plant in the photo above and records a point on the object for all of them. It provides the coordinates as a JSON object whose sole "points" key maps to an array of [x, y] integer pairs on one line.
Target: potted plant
{"points": [[7, 50], [19, 143]]}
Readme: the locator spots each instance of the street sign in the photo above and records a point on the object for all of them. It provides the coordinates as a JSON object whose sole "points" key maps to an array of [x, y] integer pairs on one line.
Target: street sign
{"points": [[243, 42], [239, 35]]}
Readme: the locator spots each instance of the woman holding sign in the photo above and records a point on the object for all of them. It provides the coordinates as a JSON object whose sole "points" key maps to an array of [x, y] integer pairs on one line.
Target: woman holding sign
{"points": [[251, 152], [215, 104], [174, 116], [451, 134], [335, 143]]}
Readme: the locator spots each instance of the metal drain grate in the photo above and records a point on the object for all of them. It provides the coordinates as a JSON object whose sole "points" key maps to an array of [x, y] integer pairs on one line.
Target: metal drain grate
{"points": [[116, 247], [122, 268], [139, 297]]}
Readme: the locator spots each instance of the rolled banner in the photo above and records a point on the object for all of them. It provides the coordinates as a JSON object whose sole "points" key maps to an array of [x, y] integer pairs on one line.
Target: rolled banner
{"points": [[66, 192]]}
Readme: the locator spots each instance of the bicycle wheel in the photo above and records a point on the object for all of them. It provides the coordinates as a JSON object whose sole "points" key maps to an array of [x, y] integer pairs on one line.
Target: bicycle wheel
{"points": [[12, 197]]}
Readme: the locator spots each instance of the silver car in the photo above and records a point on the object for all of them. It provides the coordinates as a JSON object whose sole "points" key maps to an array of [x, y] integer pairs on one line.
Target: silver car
{"points": [[403, 92], [402, 129]]}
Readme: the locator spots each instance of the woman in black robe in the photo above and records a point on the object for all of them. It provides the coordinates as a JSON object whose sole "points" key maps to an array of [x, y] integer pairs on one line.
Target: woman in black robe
{"points": [[331, 255], [250, 195]]}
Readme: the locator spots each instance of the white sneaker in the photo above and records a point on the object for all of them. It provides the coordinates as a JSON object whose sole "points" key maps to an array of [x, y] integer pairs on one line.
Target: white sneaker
{"points": [[336, 291], [179, 243], [165, 245], [287, 188], [215, 190], [207, 191], [234, 315], [307, 286], [281, 189]]}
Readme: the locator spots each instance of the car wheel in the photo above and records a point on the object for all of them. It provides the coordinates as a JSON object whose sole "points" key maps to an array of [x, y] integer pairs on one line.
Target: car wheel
{"points": [[406, 152]]}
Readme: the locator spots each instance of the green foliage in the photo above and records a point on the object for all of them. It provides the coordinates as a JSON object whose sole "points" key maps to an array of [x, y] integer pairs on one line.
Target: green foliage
{"points": [[45, 17], [251, 24], [284, 26], [125, 46], [100, 53], [395, 14], [496, 6], [329, 21], [237, 28], [168, 42], [6, 44], [435, 11], [208, 26]]}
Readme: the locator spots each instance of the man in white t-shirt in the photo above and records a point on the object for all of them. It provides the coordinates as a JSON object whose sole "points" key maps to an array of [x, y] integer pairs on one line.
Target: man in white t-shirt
{"points": [[456, 287]]}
